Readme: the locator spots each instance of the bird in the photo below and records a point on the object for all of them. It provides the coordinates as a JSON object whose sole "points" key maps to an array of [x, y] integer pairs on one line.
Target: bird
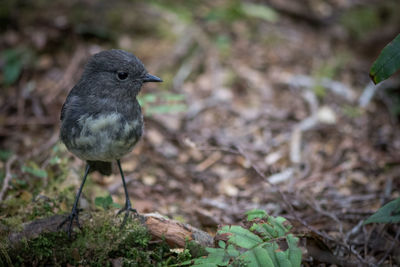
{"points": [[101, 119]]}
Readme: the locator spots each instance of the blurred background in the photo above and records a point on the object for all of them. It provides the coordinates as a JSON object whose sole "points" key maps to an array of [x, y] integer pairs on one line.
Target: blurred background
{"points": [[264, 104]]}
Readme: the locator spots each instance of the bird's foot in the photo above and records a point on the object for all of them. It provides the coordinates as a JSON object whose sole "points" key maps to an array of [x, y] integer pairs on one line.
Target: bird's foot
{"points": [[73, 215], [127, 209]]}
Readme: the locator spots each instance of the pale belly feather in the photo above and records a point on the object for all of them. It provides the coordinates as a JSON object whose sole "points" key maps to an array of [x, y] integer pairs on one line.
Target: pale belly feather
{"points": [[105, 137]]}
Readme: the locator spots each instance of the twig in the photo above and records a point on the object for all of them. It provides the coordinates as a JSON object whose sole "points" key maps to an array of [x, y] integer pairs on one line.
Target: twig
{"points": [[390, 249], [316, 206], [53, 139], [354, 230], [8, 176], [371, 89], [186, 69], [335, 87]]}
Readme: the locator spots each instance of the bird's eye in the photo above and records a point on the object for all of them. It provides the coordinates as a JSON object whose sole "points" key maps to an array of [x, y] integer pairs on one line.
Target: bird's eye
{"points": [[122, 75]]}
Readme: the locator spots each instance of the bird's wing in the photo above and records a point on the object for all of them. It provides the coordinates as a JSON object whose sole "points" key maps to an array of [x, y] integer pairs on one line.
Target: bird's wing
{"points": [[62, 112]]}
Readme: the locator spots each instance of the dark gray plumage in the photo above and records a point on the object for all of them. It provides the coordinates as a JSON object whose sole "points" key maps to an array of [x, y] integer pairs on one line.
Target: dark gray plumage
{"points": [[101, 119]]}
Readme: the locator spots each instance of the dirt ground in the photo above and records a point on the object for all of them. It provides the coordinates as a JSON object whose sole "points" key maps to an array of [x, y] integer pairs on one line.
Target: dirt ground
{"points": [[256, 111]]}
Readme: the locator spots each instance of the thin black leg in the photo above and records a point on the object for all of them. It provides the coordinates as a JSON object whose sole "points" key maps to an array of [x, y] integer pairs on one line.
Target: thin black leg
{"points": [[75, 211], [128, 207]]}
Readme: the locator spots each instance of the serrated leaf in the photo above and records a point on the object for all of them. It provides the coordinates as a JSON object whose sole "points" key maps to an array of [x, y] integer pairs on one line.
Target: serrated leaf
{"points": [[207, 264], [257, 257], [232, 251], [240, 236], [282, 259], [389, 213], [221, 244], [272, 248], [387, 63], [294, 250], [255, 213], [266, 231], [277, 224], [216, 256]]}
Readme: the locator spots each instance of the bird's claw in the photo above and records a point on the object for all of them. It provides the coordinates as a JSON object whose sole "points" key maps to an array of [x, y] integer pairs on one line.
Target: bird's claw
{"points": [[127, 209], [73, 215]]}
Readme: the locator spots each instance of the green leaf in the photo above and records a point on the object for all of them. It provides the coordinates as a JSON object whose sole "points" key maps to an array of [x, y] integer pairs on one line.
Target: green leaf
{"points": [[173, 97], [11, 72], [272, 248], [147, 98], [282, 259], [116, 205], [387, 63], [389, 213], [162, 109], [274, 228], [277, 223], [14, 60], [188, 262], [105, 202], [35, 171], [260, 11], [257, 257], [255, 213], [55, 160], [266, 231], [221, 244], [232, 251], [216, 256], [206, 264], [294, 250], [12, 65], [240, 236], [5, 154]]}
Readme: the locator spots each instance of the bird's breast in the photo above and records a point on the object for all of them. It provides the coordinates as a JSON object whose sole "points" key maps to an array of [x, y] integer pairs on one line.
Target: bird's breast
{"points": [[105, 137]]}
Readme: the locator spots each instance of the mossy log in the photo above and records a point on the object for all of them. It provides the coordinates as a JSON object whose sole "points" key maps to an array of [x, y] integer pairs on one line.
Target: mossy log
{"points": [[175, 233]]}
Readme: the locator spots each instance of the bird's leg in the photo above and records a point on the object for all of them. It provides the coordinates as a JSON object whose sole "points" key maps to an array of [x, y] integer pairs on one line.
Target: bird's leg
{"points": [[128, 206], [75, 211]]}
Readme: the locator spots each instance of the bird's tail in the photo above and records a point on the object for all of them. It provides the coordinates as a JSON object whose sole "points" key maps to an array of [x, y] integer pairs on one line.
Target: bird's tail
{"points": [[100, 166]]}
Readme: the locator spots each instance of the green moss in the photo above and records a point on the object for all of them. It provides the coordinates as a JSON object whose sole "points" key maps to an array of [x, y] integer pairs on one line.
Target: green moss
{"points": [[14, 223], [195, 250], [100, 242]]}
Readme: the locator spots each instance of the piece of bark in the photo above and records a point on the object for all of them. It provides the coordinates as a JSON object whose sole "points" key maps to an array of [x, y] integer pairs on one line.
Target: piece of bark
{"points": [[175, 233]]}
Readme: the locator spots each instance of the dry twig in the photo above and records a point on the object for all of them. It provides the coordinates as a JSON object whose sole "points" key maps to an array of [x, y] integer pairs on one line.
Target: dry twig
{"points": [[8, 176]]}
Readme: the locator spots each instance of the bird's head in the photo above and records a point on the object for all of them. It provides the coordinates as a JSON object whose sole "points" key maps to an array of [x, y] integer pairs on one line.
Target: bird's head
{"points": [[116, 72]]}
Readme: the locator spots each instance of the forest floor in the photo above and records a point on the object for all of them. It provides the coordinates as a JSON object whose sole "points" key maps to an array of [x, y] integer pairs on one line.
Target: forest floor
{"points": [[263, 111]]}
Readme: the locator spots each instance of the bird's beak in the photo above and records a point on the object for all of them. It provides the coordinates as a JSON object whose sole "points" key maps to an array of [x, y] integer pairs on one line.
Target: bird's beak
{"points": [[151, 78]]}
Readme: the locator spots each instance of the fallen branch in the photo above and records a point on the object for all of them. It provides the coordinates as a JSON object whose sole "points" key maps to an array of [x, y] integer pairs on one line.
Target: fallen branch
{"points": [[176, 234]]}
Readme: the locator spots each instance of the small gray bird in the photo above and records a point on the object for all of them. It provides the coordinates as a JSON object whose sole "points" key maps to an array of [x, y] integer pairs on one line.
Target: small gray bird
{"points": [[101, 119]]}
